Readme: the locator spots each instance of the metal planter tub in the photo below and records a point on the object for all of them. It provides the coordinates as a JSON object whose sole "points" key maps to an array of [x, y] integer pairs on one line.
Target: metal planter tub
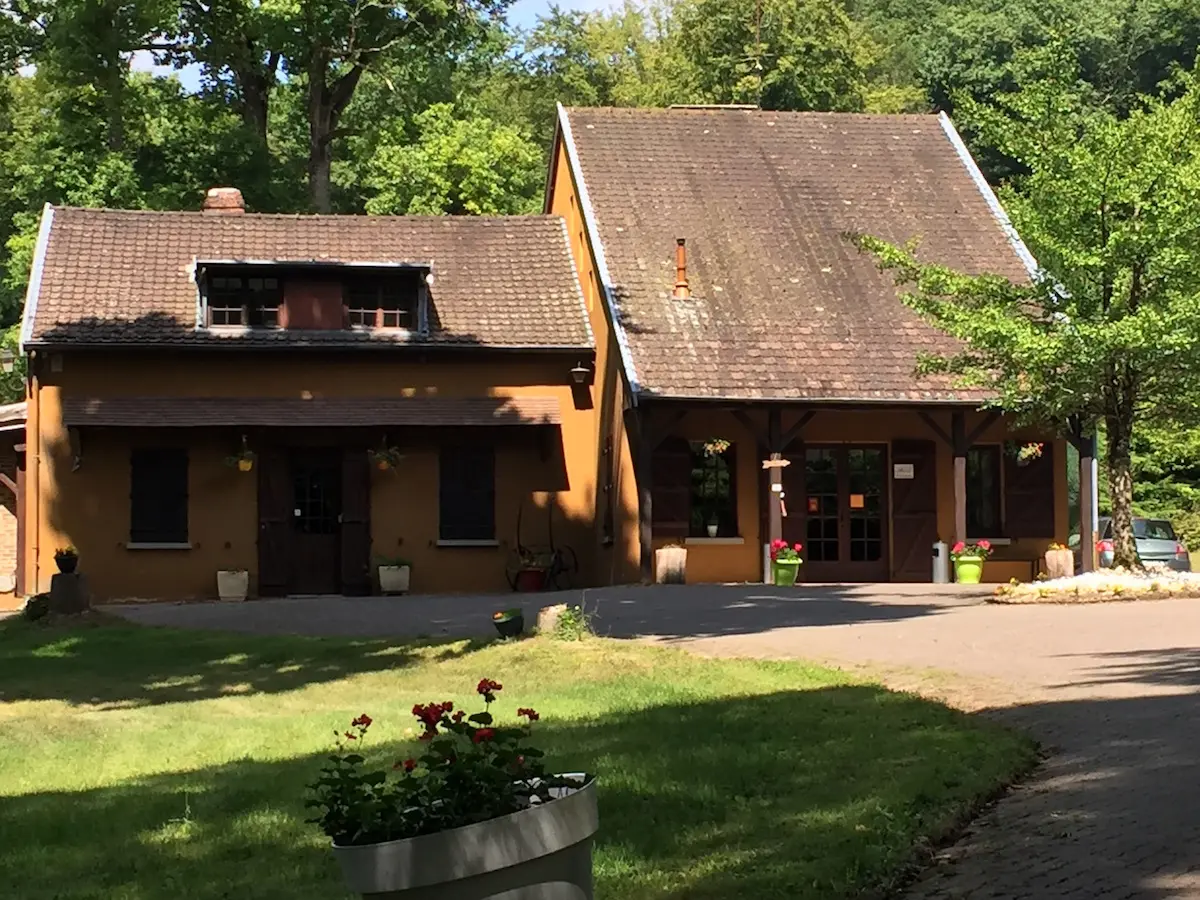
{"points": [[540, 853]]}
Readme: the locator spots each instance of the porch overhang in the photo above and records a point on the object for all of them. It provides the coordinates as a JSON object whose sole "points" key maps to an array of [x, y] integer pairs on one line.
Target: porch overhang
{"points": [[295, 412]]}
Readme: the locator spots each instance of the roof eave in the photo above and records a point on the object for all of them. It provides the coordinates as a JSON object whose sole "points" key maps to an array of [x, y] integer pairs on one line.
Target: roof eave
{"points": [[34, 289]]}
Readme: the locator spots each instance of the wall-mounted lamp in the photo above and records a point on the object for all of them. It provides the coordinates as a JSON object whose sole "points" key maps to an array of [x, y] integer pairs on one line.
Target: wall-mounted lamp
{"points": [[580, 373], [7, 359]]}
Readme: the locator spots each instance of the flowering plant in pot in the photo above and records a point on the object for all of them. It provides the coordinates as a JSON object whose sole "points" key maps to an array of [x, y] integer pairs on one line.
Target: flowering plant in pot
{"points": [[968, 560], [785, 561], [67, 559], [509, 622], [476, 803]]}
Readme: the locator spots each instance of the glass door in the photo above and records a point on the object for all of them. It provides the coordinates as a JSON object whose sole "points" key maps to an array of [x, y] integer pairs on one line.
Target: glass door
{"points": [[845, 510]]}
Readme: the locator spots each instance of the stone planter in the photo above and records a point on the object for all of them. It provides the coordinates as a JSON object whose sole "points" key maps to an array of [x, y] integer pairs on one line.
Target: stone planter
{"points": [[394, 579], [1060, 563], [968, 569], [784, 571], [670, 565], [540, 853], [233, 584]]}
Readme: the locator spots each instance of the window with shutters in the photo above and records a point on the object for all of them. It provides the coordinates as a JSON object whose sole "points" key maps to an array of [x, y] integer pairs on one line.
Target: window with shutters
{"points": [[467, 493], [712, 492], [983, 492], [384, 301], [158, 496], [247, 300]]}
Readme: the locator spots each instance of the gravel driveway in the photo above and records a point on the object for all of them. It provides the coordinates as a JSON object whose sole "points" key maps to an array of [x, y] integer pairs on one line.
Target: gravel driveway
{"points": [[1110, 688]]}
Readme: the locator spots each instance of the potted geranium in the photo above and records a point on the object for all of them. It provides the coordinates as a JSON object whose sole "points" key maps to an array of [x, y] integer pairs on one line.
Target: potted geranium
{"points": [[67, 559], [785, 562], [394, 574], [509, 622], [968, 560], [475, 814]]}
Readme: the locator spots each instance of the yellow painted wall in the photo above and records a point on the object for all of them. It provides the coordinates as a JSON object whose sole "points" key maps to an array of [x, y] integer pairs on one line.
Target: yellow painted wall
{"points": [[90, 507]]}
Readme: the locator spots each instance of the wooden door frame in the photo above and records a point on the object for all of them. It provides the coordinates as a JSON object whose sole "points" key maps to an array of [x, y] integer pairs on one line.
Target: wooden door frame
{"points": [[844, 570], [333, 454]]}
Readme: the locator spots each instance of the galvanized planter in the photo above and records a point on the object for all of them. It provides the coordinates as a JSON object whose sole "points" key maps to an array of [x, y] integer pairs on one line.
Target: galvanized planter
{"points": [[540, 853]]}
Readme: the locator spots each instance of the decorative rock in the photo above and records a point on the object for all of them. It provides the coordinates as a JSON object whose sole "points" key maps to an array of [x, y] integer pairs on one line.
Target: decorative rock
{"points": [[670, 565], [548, 616]]}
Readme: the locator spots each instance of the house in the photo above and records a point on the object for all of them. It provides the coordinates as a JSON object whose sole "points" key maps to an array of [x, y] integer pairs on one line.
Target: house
{"points": [[170, 351], [684, 348], [729, 307]]}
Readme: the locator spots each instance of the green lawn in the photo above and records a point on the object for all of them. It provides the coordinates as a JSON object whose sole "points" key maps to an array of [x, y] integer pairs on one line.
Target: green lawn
{"points": [[139, 763]]}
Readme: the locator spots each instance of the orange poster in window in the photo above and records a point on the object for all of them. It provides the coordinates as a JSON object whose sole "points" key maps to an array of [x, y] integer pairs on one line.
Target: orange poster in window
{"points": [[814, 505], [857, 501]]}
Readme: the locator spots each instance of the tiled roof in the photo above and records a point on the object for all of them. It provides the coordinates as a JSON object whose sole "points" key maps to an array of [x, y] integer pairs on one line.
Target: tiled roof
{"points": [[118, 276], [193, 412], [783, 306]]}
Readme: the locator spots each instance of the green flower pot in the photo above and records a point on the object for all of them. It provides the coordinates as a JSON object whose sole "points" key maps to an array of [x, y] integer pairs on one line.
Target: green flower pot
{"points": [[968, 569], [784, 571]]}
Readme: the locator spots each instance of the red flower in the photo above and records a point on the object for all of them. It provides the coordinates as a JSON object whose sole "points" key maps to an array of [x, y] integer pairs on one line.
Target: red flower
{"points": [[530, 713], [483, 734], [797, 547], [458, 716], [350, 736], [520, 760], [984, 545], [363, 721], [432, 713], [409, 765], [488, 689], [428, 735], [778, 544], [958, 548]]}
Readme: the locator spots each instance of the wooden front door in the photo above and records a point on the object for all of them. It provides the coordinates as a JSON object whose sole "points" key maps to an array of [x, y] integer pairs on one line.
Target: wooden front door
{"points": [[914, 509], [844, 508], [315, 546]]}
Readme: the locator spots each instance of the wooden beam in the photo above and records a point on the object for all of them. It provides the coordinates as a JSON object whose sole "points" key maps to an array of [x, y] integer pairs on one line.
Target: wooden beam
{"points": [[775, 473], [935, 427], [752, 426], [793, 432], [988, 421], [657, 429], [958, 432], [8, 483], [643, 452]]}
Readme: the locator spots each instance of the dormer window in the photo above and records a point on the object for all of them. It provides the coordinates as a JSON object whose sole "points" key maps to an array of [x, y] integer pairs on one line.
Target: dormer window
{"points": [[384, 301], [247, 301]]}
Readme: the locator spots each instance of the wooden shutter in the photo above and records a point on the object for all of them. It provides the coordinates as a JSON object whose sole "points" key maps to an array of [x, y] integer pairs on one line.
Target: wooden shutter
{"points": [[914, 510], [158, 496], [274, 523], [356, 522], [671, 488], [1029, 495], [467, 493]]}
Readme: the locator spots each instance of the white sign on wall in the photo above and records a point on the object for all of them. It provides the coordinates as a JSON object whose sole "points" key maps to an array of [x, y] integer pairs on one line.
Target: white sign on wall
{"points": [[902, 471]]}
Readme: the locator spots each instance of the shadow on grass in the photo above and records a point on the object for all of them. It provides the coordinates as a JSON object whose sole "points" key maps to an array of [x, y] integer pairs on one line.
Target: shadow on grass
{"points": [[799, 794], [110, 664]]}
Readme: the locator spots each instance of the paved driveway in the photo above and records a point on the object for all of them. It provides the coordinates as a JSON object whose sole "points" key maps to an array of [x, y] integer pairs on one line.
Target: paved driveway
{"points": [[1111, 689]]}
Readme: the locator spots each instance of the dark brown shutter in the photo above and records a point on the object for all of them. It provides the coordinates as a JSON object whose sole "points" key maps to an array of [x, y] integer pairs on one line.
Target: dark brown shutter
{"points": [[1029, 495], [671, 488], [274, 523], [356, 522], [795, 524], [914, 510]]}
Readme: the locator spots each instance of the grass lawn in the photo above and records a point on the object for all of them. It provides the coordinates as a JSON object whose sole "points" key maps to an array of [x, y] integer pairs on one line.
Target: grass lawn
{"points": [[143, 763]]}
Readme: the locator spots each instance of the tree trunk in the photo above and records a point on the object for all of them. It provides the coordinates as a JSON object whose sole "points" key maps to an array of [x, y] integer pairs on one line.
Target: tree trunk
{"points": [[320, 150], [1119, 434]]}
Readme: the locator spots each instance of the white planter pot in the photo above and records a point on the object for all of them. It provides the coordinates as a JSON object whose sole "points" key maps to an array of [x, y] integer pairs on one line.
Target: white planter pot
{"points": [[393, 579], [233, 584], [540, 853], [712, 530]]}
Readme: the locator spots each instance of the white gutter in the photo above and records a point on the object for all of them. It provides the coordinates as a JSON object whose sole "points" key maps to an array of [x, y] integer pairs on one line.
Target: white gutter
{"points": [[593, 234], [989, 196], [35, 275]]}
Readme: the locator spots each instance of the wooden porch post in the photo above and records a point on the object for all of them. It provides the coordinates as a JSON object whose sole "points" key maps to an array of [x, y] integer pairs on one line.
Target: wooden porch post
{"points": [[1087, 533], [775, 473], [958, 433]]}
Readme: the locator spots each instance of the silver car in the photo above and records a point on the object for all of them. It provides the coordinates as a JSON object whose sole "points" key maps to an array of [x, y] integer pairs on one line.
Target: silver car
{"points": [[1156, 543]]}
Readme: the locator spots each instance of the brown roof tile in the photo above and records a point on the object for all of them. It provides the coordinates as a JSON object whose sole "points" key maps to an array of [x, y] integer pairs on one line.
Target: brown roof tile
{"points": [[119, 276], [342, 412], [782, 305]]}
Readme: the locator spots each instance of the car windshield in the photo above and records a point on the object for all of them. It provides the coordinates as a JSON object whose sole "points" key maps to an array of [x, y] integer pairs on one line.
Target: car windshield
{"points": [[1153, 529]]}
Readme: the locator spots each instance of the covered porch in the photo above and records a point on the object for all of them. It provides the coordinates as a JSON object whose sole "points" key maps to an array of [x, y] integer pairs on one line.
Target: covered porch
{"points": [[867, 489]]}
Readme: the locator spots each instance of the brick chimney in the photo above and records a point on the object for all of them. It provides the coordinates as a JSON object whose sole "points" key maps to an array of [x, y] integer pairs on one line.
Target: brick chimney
{"points": [[224, 201], [682, 291]]}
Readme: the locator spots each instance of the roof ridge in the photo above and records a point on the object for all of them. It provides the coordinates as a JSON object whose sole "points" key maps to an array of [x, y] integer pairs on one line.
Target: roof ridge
{"points": [[308, 217]]}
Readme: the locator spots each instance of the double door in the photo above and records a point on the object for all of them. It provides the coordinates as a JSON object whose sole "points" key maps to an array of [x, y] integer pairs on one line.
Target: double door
{"points": [[837, 505]]}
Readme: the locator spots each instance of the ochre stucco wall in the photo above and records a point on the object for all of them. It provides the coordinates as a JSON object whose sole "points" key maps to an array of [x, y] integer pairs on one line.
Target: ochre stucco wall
{"points": [[90, 507]]}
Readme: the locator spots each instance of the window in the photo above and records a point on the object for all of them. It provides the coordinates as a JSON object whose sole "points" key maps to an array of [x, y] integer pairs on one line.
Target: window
{"points": [[467, 493], [244, 300], [386, 303], [158, 496], [1153, 529], [713, 501], [983, 492]]}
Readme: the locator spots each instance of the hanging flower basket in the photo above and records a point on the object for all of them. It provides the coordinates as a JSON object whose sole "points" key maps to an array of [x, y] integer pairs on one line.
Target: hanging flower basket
{"points": [[715, 446], [243, 460], [1025, 452], [386, 458]]}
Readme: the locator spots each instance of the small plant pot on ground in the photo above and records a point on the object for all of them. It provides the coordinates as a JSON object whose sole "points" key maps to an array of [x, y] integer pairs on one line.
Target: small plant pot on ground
{"points": [[549, 844], [968, 569], [785, 571], [233, 585], [394, 579], [509, 622]]}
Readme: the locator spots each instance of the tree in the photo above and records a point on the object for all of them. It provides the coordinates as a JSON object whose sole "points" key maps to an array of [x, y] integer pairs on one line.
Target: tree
{"points": [[1109, 330], [458, 166]]}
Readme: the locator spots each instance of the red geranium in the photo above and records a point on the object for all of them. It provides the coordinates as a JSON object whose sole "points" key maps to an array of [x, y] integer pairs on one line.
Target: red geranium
{"points": [[781, 552]]}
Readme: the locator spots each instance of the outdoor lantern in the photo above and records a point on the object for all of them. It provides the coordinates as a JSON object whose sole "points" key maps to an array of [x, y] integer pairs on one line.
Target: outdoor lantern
{"points": [[7, 358], [580, 373]]}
